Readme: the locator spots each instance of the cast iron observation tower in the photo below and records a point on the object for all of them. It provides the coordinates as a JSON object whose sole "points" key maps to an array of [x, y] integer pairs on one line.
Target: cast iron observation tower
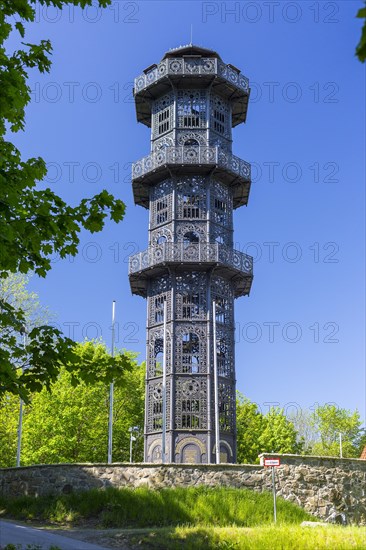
{"points": [[190, 182]]}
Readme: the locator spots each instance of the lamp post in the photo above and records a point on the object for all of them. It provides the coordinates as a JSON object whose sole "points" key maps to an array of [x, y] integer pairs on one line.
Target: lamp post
{"points": [[132, 430], [20, 424], [216, 386], [111, 395], [340, 445]]}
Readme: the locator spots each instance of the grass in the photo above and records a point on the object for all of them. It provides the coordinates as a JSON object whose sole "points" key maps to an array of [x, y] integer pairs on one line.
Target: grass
{"points": [[282, 537], [142, 507]]}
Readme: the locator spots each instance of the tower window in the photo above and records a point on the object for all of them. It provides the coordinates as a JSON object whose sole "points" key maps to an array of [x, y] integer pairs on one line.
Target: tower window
{"points": [[162, 210], [190, 305], [222, 310], [190, 353], [220, 205], [157, 408], [192, 109], [191, 206], [162, 115], [220, 212], [190, 413], [164, 122], [223, 358], [219, 122], [226, 410], [220, 116], [159, 309], [158, 357]]}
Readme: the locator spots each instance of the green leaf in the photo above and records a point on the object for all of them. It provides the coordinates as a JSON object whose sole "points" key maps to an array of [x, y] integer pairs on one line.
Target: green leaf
{"points": [[20, 28]]}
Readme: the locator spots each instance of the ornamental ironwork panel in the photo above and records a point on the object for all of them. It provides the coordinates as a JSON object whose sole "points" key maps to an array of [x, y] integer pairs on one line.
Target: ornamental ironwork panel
{"points": [[155, 405], [226, 406], [191, 403], [191, 348], [191, 296], [191, 154], [191, 198], [220, 116], [179, 66], [161, 201], [163, 115], [160, 290], [155, 352], [191, 253], [188, 138], [191, 109]]}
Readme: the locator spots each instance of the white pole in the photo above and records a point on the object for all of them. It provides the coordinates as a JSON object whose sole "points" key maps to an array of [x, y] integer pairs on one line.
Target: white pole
{"points": [[274, 495], [340, 446], [131, 446], [163, 436], [216, 387], [111, 395], [20, 424]]}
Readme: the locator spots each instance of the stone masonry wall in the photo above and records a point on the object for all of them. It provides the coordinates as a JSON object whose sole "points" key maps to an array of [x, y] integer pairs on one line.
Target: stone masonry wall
{"points": [[332, 489]]}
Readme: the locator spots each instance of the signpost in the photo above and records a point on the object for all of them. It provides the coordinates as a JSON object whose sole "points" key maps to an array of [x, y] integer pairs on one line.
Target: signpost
{"points": [[273, 463]]}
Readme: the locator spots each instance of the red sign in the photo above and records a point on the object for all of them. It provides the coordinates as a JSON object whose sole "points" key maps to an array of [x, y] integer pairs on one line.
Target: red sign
{"points": [[272, 462]]}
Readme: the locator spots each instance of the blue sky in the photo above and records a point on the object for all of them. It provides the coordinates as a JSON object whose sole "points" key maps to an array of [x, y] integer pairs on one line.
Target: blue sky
{"points": [[300, 334]]}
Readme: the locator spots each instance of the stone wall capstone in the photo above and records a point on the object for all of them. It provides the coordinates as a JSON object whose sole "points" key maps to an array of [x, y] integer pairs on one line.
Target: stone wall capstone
{"points": [[332, 489]]}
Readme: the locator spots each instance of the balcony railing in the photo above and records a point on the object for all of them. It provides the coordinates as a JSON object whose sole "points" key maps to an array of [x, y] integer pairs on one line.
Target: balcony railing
{"points": [[191, 67], [191, 155], [191, 253]]}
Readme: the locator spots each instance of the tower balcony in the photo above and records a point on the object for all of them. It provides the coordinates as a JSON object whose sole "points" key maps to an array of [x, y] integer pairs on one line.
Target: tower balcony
{"points": [[230, 169], [228, 263], [226, 80]]}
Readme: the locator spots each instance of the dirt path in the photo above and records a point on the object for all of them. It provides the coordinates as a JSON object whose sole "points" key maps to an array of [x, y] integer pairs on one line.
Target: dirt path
{"points": [[104, 538]]}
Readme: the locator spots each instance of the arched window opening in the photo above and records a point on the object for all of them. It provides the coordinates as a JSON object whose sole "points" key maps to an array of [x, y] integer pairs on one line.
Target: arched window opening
{"points": [[191, 143], [158, 357], [157, 408], [190, 353], [159, 309], [161, 240], [190, 237]]}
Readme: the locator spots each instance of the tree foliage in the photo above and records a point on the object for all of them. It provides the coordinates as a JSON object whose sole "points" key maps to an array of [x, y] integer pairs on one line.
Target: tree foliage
{"points": [[361, 46], [258, 433], [307, 432], [330, 421], [70, 423], [34, 223]]}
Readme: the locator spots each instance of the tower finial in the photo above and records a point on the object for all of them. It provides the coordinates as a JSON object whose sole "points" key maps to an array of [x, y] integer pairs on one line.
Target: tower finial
{"points": [[191, 35]]}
